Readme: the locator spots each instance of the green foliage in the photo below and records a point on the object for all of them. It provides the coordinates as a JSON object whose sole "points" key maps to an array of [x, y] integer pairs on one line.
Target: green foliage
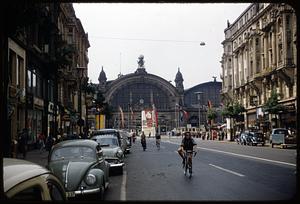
{"points": [[233, 110], [211, 114], [104, 107], [272, 105]]}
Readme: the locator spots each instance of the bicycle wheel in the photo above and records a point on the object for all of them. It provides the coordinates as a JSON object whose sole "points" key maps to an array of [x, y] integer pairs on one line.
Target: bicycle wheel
{"points": [[186, 166]]}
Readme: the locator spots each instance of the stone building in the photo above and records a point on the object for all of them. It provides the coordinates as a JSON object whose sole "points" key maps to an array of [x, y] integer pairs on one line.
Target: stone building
{"points": [[46, 46], [260, 56], [140, 90]]}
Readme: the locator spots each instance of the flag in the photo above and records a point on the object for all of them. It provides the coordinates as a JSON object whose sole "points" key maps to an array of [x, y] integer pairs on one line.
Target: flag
{"points": [[209, 105], [121, 116], [186, 115], [154, 114], [131, 111]]}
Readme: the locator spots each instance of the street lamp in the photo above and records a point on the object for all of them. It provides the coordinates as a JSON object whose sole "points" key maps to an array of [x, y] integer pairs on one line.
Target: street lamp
{"points": [[80, 71], [199, 93]]}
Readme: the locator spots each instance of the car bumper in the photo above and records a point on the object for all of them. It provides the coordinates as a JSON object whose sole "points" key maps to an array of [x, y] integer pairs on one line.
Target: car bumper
{"points": [[71, 194], [114, 162], [113, 165]]}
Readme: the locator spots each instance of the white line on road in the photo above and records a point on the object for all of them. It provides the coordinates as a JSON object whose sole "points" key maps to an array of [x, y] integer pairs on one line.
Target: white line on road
{"points": [[232, 172], [123, 185], [246, 156]]}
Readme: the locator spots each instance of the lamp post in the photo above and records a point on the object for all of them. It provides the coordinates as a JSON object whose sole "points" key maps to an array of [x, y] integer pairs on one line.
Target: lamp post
{"points": [[176, 117], [80, 71], [199, 93]]}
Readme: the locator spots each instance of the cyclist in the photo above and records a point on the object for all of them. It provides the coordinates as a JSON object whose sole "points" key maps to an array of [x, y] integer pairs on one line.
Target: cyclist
{"points": [[187, 143], [157, 137]]}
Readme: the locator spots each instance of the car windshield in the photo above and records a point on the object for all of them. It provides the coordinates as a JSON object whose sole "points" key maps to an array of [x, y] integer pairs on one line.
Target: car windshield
{"points": [[280, 131], [112, 142], [70, 153]]}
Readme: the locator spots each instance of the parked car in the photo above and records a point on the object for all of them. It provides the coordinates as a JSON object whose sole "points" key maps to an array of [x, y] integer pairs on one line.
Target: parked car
{"points": [[281, 136], [125, 134], [244, 138], [112, 151], [252, 138], [114, 132], [27, 181], [81, 167]]}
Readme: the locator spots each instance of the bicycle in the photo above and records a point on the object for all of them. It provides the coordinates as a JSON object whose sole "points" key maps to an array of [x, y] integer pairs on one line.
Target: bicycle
{"points": [[188, 167], [158, 144]]}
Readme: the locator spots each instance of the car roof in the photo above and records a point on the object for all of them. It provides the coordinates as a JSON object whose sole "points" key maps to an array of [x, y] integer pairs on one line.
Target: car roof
{"points": [[16, 171], [76, 142], [104, 136], [105, 131]]}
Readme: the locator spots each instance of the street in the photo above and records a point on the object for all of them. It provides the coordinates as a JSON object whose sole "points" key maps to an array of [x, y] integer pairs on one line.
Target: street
{"points": [[222, 171]]}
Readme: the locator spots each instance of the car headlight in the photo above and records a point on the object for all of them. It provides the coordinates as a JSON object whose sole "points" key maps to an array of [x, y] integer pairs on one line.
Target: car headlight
{"points": [[90, 179], [119, 153]]}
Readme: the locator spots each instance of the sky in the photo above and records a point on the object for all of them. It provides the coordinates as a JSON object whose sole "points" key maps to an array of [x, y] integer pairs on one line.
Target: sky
{"points": [[167, 34]]}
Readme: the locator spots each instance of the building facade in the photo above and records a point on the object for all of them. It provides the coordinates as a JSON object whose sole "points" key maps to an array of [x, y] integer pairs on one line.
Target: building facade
{"points": [[210, 93], [46, 50], [259, 56], [141, 90]]}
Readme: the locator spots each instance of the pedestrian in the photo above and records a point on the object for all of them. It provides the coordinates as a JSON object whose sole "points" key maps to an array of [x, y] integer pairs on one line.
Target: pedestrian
{"points": [[149, 134], [143, 140], [222, 134], [41, 142], [23, 139]]}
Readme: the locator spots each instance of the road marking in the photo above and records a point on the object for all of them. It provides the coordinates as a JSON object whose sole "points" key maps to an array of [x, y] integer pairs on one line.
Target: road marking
{"points": [[241, 155], [246, 156], [229, 171], [123, 185]]}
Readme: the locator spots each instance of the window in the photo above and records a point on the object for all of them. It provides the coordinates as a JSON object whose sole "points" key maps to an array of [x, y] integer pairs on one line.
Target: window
{"points": [[29, 80]]}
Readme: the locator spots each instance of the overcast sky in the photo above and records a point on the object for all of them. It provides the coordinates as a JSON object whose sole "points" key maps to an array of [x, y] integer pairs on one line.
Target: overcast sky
{"points": [[168, 35]]}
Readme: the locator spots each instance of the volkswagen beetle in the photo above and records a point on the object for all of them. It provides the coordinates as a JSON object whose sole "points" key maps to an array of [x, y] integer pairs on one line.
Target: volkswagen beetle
{"points": [[81, 167], [26, 181]]}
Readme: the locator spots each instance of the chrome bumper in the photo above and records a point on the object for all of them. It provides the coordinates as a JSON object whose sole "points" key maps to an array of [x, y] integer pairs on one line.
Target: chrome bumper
{"points": [[71, 194], [112, 165]]}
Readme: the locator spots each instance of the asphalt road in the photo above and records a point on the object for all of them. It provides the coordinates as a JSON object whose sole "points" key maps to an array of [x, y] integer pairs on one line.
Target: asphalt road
{"points": [[222, 171]]}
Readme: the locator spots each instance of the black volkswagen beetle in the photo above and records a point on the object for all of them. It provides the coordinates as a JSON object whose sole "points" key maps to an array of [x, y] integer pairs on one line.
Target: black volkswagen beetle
{"points": [[80, 166]]}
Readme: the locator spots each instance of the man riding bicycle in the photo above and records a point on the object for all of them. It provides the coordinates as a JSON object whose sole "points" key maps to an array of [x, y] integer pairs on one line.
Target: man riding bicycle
{"points": [[187, 144]]}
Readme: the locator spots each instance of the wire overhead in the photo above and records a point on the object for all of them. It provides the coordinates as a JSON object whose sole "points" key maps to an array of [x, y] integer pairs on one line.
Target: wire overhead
{"points": [[141, 39]]}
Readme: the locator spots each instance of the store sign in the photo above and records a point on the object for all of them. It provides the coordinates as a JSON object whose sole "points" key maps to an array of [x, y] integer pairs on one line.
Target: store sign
{"points": [[38, 102]]}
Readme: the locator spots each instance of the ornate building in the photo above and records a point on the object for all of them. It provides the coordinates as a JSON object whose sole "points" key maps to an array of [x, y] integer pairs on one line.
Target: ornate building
{"points": [[141, 90], [46, 45], [260, 56]]}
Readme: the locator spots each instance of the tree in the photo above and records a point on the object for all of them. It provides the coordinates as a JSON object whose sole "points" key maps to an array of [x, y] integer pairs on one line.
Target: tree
{"points": [[233, 111], [103, 106], [272, 106], [211, 114]]}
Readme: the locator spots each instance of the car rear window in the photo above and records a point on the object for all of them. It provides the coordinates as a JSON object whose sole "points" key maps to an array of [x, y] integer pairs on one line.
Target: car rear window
{"points": [[280, 131]]}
